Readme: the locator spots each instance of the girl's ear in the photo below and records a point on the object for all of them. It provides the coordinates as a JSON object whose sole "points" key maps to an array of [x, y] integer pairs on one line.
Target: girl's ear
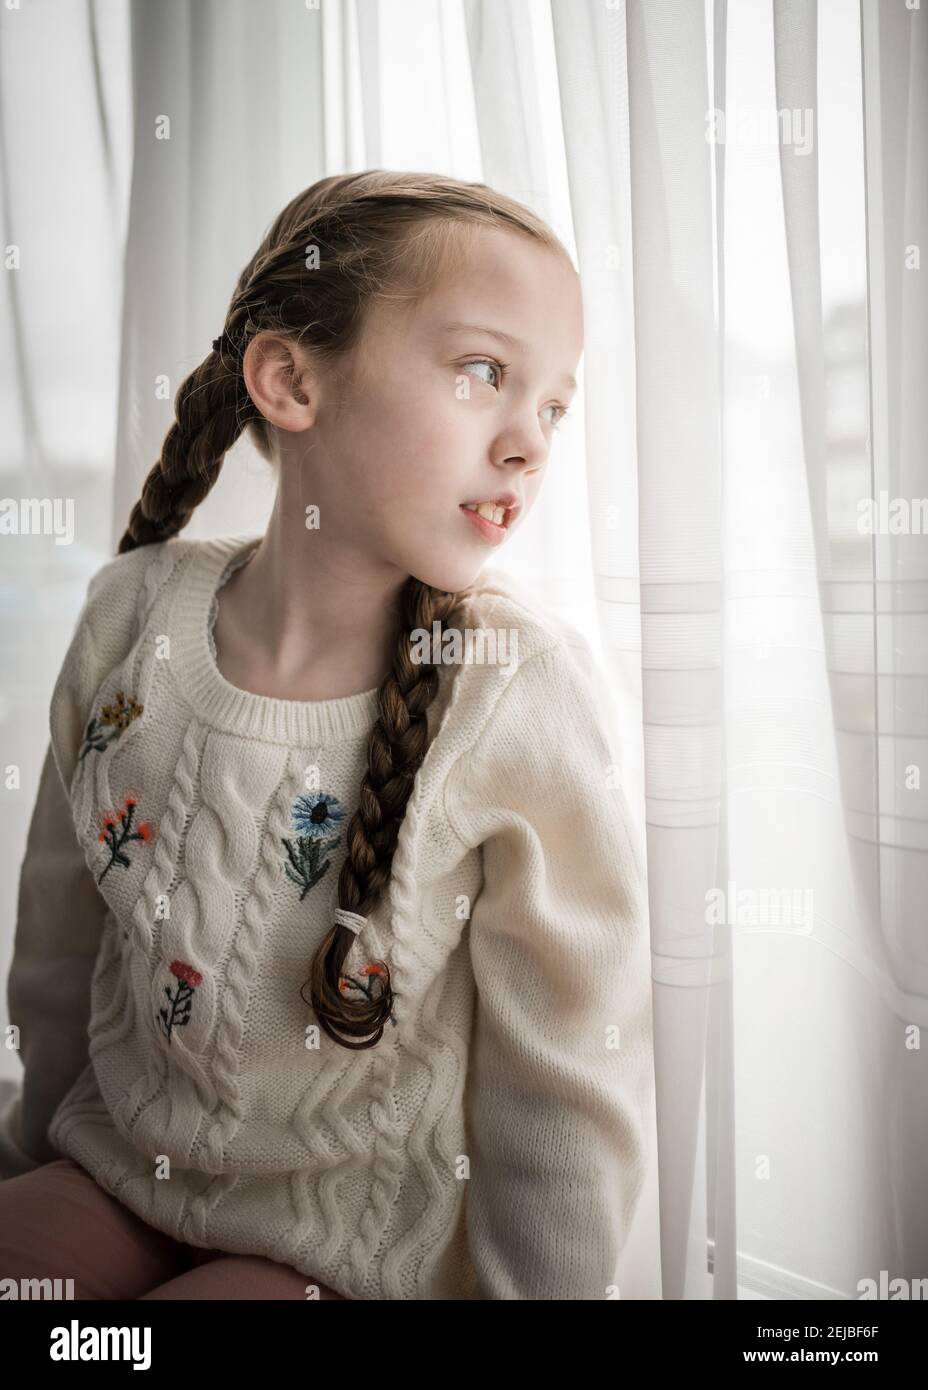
{"points": [[281, 381]]}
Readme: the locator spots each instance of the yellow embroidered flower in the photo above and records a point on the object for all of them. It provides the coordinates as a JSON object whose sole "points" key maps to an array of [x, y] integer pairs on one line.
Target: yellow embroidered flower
{"points": [[121, 713], [114, 718]]}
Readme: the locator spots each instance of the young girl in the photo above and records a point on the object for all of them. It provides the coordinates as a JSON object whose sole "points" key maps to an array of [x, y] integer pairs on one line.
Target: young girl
{"points": [[331, 967]]}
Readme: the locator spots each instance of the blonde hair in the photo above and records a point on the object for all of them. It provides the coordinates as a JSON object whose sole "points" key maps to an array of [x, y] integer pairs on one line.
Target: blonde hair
{"points": [[380, 235]]}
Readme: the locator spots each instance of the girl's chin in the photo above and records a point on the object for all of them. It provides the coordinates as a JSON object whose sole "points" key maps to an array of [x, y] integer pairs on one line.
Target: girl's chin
{"points": [[451, 579]]}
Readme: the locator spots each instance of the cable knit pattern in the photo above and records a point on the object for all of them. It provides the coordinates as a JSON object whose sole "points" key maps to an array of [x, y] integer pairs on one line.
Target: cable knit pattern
{"points": [[155, 575], [493, 1143], [126, 1112], [240, 975]]}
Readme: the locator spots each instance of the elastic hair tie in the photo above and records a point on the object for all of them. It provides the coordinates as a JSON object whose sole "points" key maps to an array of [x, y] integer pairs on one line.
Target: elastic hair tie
{"points": [[224, 341], [352, 920]]}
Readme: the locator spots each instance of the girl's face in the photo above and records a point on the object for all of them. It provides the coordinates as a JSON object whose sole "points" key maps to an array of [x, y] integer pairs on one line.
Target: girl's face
{"points": [[452, 400]]}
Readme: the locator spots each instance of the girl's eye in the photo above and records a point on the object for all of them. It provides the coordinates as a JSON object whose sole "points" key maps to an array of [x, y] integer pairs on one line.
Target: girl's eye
{"points": [[501, 367], [487, 362], [562, 411]]}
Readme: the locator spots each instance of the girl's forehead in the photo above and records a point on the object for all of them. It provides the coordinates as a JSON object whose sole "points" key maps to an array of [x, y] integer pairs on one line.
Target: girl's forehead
{"points": [[511, 293]]}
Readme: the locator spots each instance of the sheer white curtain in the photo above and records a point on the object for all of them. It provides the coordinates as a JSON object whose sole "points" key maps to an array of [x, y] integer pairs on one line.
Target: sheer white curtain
{"points": [[755, 357], [756, 308]]}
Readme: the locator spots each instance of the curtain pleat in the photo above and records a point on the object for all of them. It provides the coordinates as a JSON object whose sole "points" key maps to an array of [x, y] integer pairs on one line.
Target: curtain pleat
{"points": [[679, 478], [783, 691], [889, 813]]}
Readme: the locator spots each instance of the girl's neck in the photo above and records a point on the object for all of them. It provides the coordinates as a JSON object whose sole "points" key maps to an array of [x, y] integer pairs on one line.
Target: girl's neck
{"points": [[303, 623]]}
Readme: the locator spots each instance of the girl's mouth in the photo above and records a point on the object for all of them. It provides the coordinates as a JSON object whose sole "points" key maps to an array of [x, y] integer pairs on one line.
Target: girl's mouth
{"points": [[488, 529]]}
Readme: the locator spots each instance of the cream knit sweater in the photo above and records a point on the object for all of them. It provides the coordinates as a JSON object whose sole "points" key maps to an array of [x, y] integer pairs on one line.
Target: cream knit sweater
{"points": [[181, 868]]}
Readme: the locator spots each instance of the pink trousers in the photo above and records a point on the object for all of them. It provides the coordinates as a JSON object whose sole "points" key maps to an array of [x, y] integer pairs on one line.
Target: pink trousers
{"points": [[56, 1222]]}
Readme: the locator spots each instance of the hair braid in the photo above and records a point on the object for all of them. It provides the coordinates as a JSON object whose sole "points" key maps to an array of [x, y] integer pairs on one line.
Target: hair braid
{"points": [[212, 407], [398, 745]]}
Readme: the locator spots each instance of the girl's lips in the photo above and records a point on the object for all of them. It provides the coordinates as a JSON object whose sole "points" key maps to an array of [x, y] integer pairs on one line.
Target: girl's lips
{"points": [[487, 529]]}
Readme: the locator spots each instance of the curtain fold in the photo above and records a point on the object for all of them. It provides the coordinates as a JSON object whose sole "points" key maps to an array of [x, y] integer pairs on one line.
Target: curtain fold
{"points": [[892, 824], [642, 198], [783, 690], [231, 117]]}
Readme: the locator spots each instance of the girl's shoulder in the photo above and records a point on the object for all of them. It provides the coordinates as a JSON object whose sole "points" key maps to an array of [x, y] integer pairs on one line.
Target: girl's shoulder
{"points": [[500, 603], [115, 589], [524, 666], [124, 575], [123, 589], [119, 595]]}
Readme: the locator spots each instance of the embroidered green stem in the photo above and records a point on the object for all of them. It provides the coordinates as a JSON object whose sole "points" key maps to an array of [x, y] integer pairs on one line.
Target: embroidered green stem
{"points": [[316, 817], [117, 831], [373, 975], [181, 1000], [304, 855]]}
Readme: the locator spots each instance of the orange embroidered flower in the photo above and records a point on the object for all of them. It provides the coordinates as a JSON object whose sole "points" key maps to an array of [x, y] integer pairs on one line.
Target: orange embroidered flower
{"points": [[347, 982], [116, 831]]}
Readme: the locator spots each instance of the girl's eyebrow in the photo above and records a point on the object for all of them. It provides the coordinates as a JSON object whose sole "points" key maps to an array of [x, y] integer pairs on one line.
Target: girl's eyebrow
{"points": [[506, 338]]}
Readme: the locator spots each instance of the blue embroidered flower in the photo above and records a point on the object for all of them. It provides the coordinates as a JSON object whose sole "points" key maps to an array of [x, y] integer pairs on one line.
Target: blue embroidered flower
{"points": [[315, 817]]}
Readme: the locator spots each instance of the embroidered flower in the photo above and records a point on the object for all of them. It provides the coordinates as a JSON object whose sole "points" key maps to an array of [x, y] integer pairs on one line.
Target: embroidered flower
{"points": [[346, 982], [181, 1001], [116, 831], [315, 817], [374, 975], [317, 814], [115, 718]]}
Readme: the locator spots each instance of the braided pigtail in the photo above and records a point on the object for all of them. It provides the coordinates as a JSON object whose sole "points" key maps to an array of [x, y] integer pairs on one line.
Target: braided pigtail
{"points": [[398, 745], [212, 407]]}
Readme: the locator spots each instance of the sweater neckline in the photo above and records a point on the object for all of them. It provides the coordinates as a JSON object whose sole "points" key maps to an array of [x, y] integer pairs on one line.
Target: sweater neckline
{"points": [[217, 701]]}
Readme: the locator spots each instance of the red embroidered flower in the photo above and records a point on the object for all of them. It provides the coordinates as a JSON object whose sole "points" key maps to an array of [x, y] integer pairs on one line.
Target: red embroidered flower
{"points": [[186, 973], [181, 1000], [347, 982]]}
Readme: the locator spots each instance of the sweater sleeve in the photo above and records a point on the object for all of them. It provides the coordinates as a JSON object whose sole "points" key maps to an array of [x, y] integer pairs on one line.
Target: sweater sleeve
{"points": [[59, 923], [561, 1062]]}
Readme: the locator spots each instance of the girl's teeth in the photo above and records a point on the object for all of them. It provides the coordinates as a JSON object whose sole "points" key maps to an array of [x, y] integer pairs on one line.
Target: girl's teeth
{"points": [[487, 509]]}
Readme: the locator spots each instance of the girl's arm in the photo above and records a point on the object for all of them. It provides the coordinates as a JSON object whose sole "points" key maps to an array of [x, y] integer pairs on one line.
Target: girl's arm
{"points": [[561, 1066], [60, 910], [59, 923]]}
